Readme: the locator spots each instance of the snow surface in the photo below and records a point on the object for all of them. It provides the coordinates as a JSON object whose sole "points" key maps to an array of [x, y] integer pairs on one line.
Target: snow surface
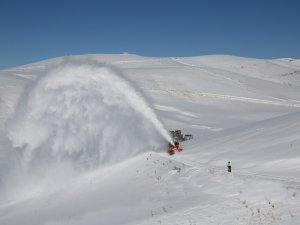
{"points": [[83, 141]]}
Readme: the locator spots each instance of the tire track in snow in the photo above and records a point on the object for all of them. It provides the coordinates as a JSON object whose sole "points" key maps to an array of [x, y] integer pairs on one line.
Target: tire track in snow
{"points": [[198, 95], [247, 99]]}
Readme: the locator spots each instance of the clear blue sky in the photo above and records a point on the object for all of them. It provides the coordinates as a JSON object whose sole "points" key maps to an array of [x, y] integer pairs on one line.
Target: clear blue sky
{"points": [[33, 30]]}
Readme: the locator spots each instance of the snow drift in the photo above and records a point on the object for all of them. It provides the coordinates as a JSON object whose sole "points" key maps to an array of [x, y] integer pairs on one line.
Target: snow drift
{"points": [[83, 113]]}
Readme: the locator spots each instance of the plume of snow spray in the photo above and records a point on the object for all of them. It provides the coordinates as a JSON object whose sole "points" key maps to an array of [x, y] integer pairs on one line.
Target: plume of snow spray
{"points": [[86, 114]]}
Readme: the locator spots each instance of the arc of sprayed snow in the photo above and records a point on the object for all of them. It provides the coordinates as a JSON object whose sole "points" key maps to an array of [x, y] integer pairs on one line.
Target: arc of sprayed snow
{"points": [[134, 98]]}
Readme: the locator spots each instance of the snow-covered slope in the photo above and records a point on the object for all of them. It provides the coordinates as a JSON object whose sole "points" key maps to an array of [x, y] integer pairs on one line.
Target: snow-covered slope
{"points": [[83, 141]]}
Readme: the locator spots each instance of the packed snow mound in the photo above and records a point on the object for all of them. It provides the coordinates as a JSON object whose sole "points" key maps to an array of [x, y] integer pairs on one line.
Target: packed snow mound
{"points": [[83, 113]]}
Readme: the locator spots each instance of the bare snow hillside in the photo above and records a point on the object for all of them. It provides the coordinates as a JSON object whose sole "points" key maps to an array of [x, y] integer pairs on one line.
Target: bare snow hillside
{"points": [[84, 141]]}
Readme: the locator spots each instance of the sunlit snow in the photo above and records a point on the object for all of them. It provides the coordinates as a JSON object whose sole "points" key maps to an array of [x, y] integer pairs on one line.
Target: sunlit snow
{"points": [[84, 141]]}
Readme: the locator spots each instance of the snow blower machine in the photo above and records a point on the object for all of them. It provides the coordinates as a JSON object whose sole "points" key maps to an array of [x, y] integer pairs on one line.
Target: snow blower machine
{"points": [[177, 137], [174, 148]]}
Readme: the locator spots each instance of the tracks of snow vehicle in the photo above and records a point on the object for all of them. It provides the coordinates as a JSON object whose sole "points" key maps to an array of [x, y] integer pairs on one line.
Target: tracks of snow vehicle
{"points": [[194, 95]]}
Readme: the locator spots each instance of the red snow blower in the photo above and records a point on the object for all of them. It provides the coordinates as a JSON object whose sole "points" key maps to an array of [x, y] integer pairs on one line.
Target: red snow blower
{"points": [[174, 148]]}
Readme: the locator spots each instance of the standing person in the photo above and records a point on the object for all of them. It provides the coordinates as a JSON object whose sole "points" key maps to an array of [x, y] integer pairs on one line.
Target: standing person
{"points": [[229, 166]]}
